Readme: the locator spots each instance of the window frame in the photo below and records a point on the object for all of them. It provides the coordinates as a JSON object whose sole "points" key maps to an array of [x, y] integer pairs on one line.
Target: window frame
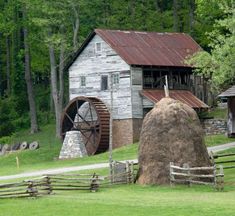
{"points": [[82, 81], [100, 49], [102, 86]]}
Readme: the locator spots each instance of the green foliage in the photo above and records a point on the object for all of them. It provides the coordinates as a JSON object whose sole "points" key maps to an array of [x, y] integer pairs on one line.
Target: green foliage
{"points": [[219, 65], [6, 139], [7, 115]]}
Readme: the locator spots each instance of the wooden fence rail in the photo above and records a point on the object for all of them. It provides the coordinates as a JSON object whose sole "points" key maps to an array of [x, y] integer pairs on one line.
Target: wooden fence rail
{"points": [[228, 160], [197, 175], [27, 188]]}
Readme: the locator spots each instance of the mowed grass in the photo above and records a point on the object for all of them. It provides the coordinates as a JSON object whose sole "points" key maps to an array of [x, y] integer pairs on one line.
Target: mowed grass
{"points": [[47, 155], [127, 200], [123, 200], [219, 139]]}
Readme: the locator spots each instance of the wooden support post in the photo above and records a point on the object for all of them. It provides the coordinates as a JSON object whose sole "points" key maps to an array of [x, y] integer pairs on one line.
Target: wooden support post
{"points": [[128, 174], [31, 190], [172, 177], [188, 180], [48, 183], [221, 176], [94, 183], [215, 177], [132, 172]]}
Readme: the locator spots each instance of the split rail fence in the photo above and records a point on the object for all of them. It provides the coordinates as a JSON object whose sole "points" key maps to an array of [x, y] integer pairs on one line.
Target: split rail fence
{"points": [[227, 160], [123, 173], [197, 175], [27, 188]]}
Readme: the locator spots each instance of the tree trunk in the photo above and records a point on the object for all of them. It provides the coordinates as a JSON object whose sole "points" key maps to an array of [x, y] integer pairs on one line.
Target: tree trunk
{"points": [[176, 17], [28, 79], [159, 11], [191, 15], [61, 78], [8, 65], [76, 26], [54, 89]]}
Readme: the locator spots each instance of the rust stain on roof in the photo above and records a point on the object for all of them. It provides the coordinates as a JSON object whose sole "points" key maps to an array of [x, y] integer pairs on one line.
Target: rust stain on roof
{"points": [[150, 48], [181, 95]]}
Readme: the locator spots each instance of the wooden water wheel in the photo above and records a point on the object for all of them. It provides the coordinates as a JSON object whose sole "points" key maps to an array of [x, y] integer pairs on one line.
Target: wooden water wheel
{"points": [[90, 116]]}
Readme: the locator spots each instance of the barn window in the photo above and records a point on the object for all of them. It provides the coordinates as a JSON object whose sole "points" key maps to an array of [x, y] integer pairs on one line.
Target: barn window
{"points": [[116, 79], [82, 81], [104, 82], [98, 47]]}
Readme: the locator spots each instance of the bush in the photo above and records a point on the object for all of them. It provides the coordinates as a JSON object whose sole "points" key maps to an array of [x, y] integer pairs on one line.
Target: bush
{"points": [[7, 115]]}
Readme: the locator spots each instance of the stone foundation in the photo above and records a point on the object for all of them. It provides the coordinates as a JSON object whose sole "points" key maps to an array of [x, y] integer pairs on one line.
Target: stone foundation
{"points": [[214, 126]]}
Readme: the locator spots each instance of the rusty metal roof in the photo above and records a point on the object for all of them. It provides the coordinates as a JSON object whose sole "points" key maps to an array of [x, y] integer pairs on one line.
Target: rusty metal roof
{"points": [[229, 92], [150, 48], [184, 96]]}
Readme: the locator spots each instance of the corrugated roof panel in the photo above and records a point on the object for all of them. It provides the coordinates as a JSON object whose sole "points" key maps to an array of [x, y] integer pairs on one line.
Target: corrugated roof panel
{"points": [[181, 95], [150, 48]]}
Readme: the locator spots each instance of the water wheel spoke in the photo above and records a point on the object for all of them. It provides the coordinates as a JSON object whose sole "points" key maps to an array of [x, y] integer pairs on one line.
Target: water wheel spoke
{"points": [[82, 132], [91, 118], [91, 114], [84, 119], [70, 119], [87, 111], [88, 138]]}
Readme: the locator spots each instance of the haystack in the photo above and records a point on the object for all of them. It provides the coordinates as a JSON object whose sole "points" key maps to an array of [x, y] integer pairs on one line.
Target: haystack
{"points": [[171, 132]]}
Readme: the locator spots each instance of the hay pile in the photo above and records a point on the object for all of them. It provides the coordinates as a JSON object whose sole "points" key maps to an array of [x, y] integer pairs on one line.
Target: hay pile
{"points": [[171, 132]]}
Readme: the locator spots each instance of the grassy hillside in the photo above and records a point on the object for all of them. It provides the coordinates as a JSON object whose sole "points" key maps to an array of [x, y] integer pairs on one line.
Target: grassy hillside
{"points": [[47, 155]]}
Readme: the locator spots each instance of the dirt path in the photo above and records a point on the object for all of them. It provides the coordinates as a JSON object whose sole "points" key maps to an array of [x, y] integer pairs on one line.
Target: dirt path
{"points": [[93, 166], [221, 147], [58, 170]]}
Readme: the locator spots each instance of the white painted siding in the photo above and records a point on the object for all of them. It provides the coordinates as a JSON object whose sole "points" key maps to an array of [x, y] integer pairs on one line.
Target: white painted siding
{"points": [[92, 65]]}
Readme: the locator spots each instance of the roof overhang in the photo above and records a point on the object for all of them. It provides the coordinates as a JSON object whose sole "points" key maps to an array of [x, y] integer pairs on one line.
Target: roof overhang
{"points": [[181, 95], [228, 93]]}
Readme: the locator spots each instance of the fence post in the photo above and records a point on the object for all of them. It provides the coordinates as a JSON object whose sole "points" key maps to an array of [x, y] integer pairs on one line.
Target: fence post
{"points": [[128, 176], [186, 165], [132, 172], [31, 189], [172, 177], [94, 183], [221, 177], [48, 183], [215, 177]]}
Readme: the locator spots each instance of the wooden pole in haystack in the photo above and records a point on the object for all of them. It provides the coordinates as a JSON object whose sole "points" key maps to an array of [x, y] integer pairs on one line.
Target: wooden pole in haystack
{"points": [[166, 89]]}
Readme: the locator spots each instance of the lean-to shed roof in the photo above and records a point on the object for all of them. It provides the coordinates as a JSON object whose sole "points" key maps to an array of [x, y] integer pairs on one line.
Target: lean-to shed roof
{"points": [[229, 92], [184, 96], [147, 48]]}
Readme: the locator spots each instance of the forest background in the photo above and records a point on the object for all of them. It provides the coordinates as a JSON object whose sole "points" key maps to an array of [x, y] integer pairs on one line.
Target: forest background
{"points": [[39, 37]]}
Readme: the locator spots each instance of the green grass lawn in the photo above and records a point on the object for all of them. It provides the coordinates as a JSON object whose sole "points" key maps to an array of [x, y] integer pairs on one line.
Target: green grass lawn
{"points": [[127, 200], [214, 140], [47, 155], [118, 200]]}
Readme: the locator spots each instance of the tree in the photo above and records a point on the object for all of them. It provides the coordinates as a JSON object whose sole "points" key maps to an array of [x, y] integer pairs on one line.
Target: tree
{"points": [[28, 77], [218, 66]]}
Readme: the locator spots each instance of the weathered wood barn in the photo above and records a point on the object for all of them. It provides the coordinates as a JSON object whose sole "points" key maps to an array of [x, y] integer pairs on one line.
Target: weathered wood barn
{"points": [[230, 95], [129, 67]]}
